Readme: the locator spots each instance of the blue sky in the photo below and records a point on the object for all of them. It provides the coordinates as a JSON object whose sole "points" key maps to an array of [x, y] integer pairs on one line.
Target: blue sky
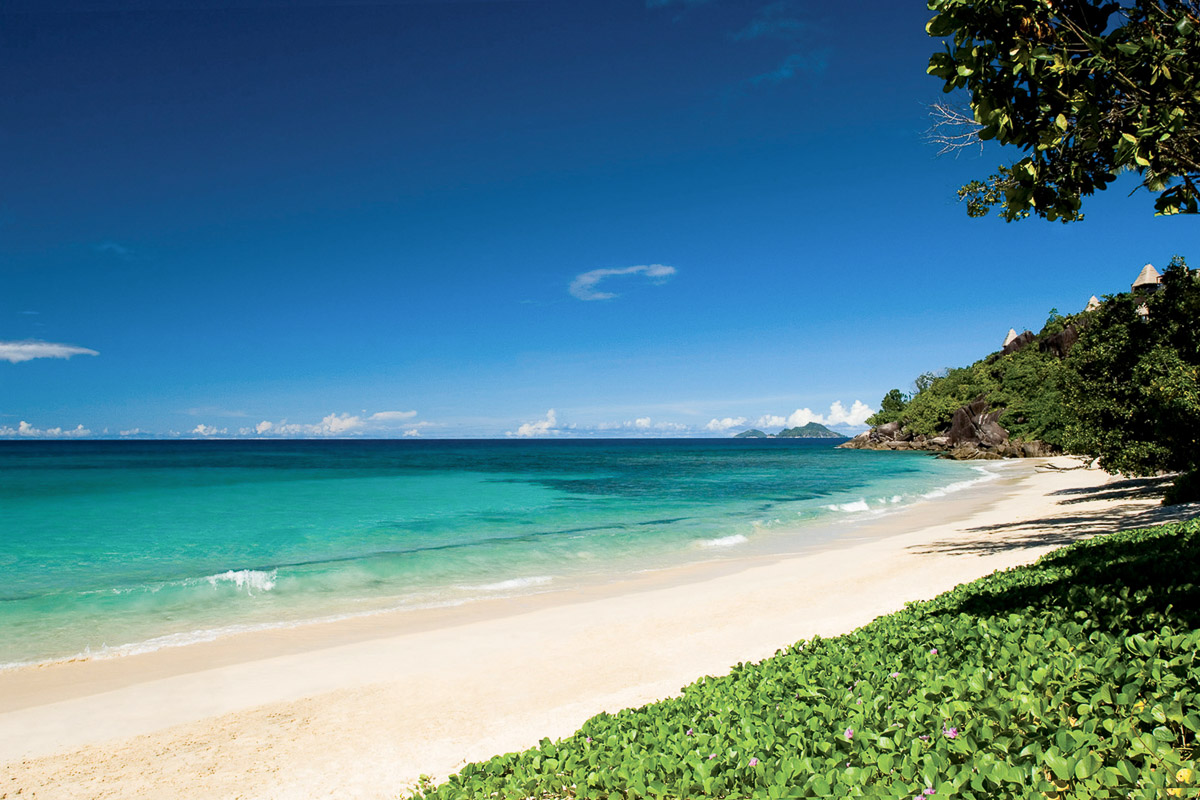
{"points": [[455, 218]]}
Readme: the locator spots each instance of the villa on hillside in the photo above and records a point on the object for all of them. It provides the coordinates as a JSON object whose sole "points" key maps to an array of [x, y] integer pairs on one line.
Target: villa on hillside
{"points": [[1148, 281]]}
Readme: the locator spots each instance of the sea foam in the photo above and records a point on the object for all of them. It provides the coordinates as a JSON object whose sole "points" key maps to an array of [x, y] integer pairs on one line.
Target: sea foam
{"points": [[515, 583], [252, 580], [724, 541], [985, 476], [856, 506]]}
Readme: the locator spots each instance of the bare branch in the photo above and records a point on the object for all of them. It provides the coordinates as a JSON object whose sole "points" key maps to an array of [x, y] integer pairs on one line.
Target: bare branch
{"points": [[953, 130]]}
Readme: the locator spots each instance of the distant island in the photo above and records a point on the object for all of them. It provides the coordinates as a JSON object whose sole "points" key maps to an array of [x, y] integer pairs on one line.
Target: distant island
{"points": [[812, 430]]}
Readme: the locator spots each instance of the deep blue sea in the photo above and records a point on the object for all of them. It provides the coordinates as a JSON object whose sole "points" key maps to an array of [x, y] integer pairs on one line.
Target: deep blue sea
{"points": [[108, 548]]}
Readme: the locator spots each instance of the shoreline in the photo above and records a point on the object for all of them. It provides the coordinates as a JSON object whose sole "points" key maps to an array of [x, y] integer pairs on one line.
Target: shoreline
{"points": [[113, 611], [272, 640], [362, 707], [716, 556]]}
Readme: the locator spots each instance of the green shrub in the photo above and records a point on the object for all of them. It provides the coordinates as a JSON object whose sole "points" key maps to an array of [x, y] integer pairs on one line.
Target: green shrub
{"points": [[1074, 677], [1185, 489]]}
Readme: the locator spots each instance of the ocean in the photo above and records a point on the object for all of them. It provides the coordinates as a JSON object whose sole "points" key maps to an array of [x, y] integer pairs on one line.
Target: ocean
{"points": [[113, 548]]}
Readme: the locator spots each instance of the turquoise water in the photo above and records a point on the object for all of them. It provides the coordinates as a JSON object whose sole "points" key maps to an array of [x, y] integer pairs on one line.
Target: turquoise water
{"points": [[116, 547]]}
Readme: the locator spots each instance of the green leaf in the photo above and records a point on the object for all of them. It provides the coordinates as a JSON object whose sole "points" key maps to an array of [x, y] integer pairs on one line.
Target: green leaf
{"points": [[1063, 768], [1087, 766]]}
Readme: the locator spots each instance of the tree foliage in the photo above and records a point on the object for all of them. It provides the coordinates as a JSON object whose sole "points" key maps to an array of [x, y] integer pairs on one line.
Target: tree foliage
{"points": [[1087, 88], [891, 408], [1133, 380], [1026, 383]]}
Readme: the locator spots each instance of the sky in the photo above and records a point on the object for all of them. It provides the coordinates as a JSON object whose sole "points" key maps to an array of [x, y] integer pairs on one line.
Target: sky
{"points": [[491, 218]]}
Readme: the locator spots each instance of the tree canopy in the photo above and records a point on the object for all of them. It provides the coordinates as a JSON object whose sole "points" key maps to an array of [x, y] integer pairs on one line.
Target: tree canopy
{"points": [[1086, 88], [1132, 382]]}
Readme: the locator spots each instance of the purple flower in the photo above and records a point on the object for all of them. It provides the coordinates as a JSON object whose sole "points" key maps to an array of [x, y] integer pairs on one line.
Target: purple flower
{"points": [[923, 737], [930, 790], [849, 734], [754, 762], [588, 740], [951, 733], [711, 756], [690, 732], [895, 674], [933, 652]]}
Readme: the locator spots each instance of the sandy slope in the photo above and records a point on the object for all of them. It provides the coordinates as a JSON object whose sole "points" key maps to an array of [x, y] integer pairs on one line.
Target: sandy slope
{"points": [[359, 709]]}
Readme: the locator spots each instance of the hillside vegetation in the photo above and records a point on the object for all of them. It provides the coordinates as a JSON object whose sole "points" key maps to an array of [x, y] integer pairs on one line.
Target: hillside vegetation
{"points": [[1076, 677], [1119, 383], [1028, 384]]}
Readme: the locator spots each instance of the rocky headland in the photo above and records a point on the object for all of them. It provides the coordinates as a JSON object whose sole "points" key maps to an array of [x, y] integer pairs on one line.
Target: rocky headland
{"points": [[974, 430], [974, 433]]}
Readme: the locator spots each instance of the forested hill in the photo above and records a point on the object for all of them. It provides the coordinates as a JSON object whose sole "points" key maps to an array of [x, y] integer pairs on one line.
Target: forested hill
{"points": [[813, 430], [1118, 382], [1018, 389]]}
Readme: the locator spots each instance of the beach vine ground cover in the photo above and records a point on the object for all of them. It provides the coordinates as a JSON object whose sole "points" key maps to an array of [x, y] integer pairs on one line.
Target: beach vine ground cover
{"points": [[1077, 676]]}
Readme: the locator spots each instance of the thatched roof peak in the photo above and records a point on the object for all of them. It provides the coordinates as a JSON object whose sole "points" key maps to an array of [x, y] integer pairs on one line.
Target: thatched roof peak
{"points": [[1147, 277]]}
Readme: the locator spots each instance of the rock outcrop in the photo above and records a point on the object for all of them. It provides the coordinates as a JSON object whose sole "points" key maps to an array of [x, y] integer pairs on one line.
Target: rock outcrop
{"points": [[1060, 344], [1018, 343], [973, 425], [974, 433]]}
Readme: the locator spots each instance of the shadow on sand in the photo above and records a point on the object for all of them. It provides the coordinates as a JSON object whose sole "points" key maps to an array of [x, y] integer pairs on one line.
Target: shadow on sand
{"points": [[1058, 530], [1128, 489]]}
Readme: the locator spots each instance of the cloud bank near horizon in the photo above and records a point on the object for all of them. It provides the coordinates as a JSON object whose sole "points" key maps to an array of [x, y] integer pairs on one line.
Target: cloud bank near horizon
{"points": [[25, 429], [855, 416], [547, 426], [404, 424]]}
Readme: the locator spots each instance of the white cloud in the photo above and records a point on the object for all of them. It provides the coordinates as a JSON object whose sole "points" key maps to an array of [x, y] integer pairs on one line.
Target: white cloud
{"points": [[641, 424], [336, 424], [412, 432], [838, 414], [340, 423], [584, 285], [330, 425], [392, 416], [803, 416], [543, 427], [132, 432], [16, 352], [725, 424], [25, 429], [857, 415], [208, 430]]}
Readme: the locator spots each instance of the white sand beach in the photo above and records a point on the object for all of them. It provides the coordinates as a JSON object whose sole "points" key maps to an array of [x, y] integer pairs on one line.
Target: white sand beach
{"points": [[360, 708]]}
